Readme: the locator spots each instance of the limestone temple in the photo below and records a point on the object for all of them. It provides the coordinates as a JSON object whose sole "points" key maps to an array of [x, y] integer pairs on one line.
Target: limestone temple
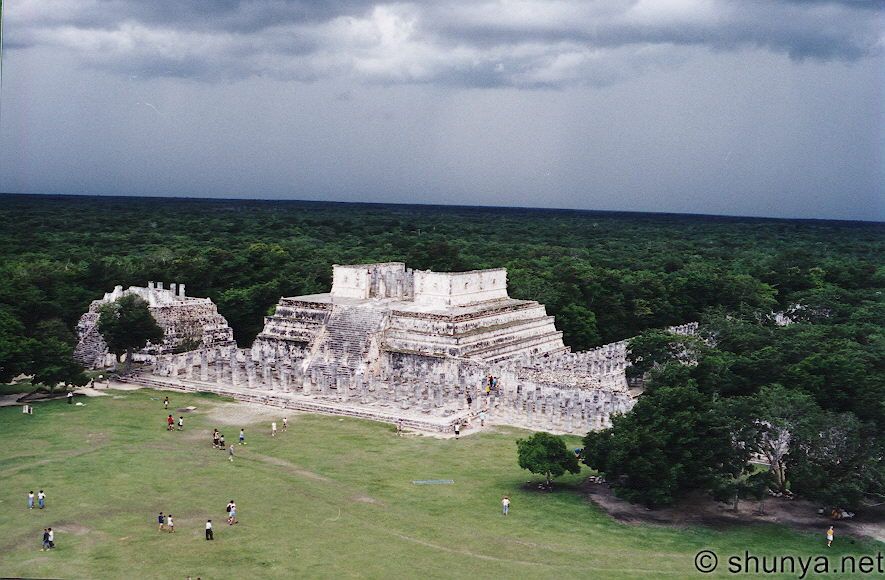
{"points": [[187, 323], [394, 344]]}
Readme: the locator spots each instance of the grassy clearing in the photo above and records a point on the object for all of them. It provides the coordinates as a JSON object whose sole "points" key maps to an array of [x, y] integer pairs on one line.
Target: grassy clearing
{"points": [[329, 498]]}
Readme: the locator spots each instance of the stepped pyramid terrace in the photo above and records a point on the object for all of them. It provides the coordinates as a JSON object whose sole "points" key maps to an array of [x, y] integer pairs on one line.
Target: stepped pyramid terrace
{"points": [[394, 344]]}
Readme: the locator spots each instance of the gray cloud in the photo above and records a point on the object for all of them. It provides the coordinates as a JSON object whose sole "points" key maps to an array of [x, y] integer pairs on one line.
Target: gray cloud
{"points": [[471, 43]]}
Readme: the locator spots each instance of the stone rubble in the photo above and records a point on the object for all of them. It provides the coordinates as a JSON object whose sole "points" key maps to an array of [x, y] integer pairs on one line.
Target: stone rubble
{"points": [[186, 322]]}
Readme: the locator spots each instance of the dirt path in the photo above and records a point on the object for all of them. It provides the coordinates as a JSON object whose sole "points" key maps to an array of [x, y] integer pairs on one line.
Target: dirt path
{"points": [[700, 510]]}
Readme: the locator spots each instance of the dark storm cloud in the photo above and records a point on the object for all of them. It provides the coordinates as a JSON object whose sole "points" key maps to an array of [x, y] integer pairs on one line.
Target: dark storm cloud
{"points": [[474, 43]]}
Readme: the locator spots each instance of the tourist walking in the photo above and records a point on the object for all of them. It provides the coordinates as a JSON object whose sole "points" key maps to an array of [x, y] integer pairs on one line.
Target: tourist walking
{"points": [[285, 423], [161, 520], [41, 499], [482, 418], [230, 452], [209, 534], [457, 429], [166, 403], [30, 500], [273, 429], [70, 397], [830, 534], [505, 505], [45, 540], [221, 444], [170, 523], [51, 538], [242, 436], [231, 513], [169, 423], [399, 427], [215, 438], [180, 423]]}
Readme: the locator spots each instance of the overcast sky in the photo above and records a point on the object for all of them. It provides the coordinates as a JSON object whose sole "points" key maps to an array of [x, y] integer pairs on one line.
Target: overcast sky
{"points": [[764, 108]]}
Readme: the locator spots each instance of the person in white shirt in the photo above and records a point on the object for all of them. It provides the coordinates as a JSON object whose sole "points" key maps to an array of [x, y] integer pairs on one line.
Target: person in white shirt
{"points": [[51, 538], [170, 523], [41, 499], [285, 423], [209, 534], [273, 429], [30, 500], [505, 505]]}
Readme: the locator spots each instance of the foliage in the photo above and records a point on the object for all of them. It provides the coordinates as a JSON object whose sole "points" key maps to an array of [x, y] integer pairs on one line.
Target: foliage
{"points": [[674, 441], [126, 325], [546, 455], [837, 460]]}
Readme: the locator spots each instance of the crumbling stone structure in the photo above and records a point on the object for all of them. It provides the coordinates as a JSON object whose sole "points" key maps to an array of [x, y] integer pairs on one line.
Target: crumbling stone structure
{"points": [[188, 323], [390, 343]]}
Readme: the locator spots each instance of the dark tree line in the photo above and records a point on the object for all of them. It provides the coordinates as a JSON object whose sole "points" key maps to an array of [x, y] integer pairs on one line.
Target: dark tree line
{"points": [[808, 398]]}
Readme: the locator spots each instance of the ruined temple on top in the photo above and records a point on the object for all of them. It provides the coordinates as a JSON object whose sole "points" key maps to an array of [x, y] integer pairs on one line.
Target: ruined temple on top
{"points": [[394, 344], [386, 318], [187, 322]]}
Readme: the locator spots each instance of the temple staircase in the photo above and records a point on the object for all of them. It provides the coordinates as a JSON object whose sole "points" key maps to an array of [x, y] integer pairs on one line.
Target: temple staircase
{"points": [[344, 346]]}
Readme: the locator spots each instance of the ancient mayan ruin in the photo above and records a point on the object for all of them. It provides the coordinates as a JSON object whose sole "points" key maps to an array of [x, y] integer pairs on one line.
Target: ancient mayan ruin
{"points": [[427, 349], [187, 323]]}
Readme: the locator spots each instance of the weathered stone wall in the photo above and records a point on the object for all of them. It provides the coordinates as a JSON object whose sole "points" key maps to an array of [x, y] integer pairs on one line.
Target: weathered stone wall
{"points": [[460, 288], [186, 322]]}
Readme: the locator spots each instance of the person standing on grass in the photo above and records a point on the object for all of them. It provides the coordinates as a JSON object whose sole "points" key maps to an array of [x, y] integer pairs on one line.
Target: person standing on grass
{"points": [[170, 523], [31, 500], [215, 438], [180, 423], [231, 513], [70, 397], [166, 403], [505, 505], [169, 423], [830, 534], [285, 423], [161, 520], [230, 452], [209, 534], [399, 427], [45, 540], [41, 499], [242, 436], [221, 444], [273, 429]]}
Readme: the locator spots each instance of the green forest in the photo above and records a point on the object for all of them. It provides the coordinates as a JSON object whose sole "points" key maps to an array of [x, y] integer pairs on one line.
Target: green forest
{"points": [[604, 276]]}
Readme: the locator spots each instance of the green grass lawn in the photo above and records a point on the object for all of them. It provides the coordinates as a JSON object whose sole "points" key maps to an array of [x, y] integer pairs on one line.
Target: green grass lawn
{"points": [[329, 498]]}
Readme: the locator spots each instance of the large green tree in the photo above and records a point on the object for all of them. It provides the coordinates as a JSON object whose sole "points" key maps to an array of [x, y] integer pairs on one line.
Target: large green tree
{"points": [[547, 455], [126, 325], [675, 440]]}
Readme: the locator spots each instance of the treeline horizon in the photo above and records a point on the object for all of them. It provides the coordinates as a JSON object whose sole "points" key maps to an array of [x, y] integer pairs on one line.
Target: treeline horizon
{"points": [[443, 207], [605, 276]]}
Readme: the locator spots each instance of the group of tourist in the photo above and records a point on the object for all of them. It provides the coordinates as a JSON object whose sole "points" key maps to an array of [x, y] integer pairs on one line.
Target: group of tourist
{"points": [[170, 423], [491, 384], [41, 499], [48, 539], [166, 523], [48, 534]]}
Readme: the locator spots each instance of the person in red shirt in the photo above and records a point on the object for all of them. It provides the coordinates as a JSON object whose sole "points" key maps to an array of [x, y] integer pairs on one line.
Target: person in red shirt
{"points": [[170, 422]]}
